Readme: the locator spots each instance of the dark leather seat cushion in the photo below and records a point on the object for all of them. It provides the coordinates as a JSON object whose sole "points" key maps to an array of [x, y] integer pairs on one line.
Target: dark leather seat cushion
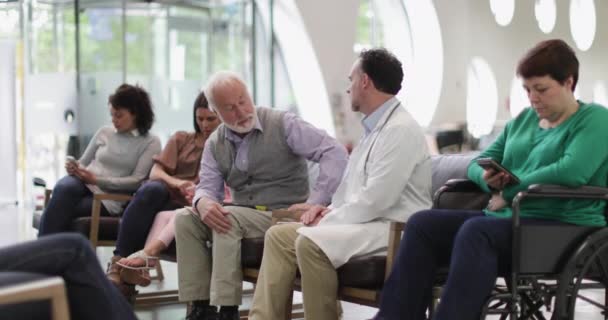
{"points": [[251, 252], [365, 273], [108, 227]]}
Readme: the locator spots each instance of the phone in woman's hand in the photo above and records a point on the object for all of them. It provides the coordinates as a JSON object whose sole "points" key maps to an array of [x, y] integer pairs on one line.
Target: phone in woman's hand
{"points": [[489, 163]]}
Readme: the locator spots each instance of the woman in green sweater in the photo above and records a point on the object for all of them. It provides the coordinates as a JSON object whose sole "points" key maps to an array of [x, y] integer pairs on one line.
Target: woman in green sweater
{"points": [[552, 142]]}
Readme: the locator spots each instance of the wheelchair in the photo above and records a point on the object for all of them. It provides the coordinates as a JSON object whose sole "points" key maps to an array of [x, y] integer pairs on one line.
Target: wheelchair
{"points": [[552, 266]]}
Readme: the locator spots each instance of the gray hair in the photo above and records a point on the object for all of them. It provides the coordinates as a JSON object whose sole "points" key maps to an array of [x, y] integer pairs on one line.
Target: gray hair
{"points": [[218, 80]]}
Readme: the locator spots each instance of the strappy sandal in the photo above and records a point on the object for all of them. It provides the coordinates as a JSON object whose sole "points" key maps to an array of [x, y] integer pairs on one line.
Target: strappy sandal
{"points": [[137, 275], [141, 255], [113, 271]]}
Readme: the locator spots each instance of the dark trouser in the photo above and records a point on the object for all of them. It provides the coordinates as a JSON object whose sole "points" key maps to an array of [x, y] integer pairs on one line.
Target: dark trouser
{"points": [[151, 198], [91, 296], [476, 247], [71, 199]]}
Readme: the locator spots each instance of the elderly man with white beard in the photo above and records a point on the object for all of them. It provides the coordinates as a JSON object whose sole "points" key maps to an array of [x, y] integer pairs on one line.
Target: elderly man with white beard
{"points": [[260, 154]]}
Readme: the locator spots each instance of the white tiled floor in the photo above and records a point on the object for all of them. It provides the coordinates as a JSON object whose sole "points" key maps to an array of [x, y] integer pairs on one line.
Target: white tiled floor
{"points": [[15, 226]]}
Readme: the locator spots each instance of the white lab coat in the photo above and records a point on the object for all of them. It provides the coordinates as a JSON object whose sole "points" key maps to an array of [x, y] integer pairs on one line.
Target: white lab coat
{"points": [[388, 178]]}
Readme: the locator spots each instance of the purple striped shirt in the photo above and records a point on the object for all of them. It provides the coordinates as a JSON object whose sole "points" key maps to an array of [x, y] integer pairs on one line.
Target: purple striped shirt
{"points": [[304, 140]]}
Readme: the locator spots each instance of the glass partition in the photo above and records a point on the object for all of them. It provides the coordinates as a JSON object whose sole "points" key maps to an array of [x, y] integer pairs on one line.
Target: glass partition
{"points": [[75, 54]]}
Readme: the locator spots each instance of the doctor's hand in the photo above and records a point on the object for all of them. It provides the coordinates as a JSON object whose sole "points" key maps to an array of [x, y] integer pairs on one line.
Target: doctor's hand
{"points": [[313, 215], [214, 215]]}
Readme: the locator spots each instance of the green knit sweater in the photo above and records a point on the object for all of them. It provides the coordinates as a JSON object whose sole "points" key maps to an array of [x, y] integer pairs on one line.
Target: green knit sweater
{"points": [[573, 154]]}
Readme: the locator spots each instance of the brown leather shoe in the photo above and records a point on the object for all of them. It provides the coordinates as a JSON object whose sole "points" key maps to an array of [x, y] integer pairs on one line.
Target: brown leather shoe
{"points": [[113, 272], [128, 291]]}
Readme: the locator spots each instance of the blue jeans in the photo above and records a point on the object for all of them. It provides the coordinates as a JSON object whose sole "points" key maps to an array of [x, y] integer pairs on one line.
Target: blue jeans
{"points": [[70, 256], [137, 219], [477, 249], [71, 199]]}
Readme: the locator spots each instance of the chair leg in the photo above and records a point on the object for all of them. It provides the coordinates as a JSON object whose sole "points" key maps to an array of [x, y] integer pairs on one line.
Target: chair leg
{"points": [[160, 276], [289, 306]]}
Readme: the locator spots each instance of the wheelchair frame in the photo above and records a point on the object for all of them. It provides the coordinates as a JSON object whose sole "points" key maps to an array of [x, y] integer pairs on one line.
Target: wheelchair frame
{"points": [[579, 262]]}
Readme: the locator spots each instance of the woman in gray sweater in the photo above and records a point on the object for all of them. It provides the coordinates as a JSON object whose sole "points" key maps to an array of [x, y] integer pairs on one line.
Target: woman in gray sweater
{"points": [[117, 160]]}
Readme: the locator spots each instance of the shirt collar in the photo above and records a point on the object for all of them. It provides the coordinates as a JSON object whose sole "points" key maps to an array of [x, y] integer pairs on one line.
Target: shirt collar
{"points": [[371, 120], [134, 132], [232, 136]]}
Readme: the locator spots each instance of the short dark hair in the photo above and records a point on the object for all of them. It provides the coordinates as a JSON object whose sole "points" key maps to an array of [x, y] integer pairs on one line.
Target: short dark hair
{"points": [[200, 103], [137, 101], [383, 68], [554, 58]]}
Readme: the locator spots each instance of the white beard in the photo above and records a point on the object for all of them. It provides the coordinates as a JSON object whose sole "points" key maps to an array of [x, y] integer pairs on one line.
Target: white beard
{"points": [[241, 129]]}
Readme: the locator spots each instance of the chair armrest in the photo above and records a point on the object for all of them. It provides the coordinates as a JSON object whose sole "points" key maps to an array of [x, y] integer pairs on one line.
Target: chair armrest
{"points": [[50, 288], [112, 196], [96, 212], [286, 215]]}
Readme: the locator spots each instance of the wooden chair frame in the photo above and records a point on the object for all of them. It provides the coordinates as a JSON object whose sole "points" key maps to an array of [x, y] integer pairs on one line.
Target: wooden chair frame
{"points": [[368, 297], [52, 288]]}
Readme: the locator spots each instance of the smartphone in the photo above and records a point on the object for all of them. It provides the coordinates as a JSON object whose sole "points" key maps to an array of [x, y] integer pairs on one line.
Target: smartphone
{"points": [[71, 159], [489, 163]]}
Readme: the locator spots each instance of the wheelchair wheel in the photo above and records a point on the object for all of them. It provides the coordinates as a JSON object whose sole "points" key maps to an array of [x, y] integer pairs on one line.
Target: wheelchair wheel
{"points": [[586, 269]]}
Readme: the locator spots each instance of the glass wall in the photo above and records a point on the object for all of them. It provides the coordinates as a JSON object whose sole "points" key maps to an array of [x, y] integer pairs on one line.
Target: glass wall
{"points": [[10, 123], [77, 52], [49, 86]]}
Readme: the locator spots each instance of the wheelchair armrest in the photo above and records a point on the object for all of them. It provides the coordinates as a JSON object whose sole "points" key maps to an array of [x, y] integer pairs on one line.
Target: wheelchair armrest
{"points": [[556, 191], [559, 191], [50, 288], [456, 186], [462, 185]]}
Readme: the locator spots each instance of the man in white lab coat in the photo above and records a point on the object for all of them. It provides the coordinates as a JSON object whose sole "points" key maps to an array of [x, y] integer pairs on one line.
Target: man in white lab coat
{"points": [[388, 178]]}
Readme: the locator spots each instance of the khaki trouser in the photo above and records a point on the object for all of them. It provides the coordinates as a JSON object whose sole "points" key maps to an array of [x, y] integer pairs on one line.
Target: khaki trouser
{"points": [[209, 263], [284, 251]]}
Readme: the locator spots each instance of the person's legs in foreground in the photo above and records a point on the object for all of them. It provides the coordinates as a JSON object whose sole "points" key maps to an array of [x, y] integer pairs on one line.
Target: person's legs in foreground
{"points": [[136, 221], [482, 251], [319, 281], [70, 199], [160, 237], [138, 217], [194, 264], [427, 244], [277, 273], [215, 280], [90, 294]]}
